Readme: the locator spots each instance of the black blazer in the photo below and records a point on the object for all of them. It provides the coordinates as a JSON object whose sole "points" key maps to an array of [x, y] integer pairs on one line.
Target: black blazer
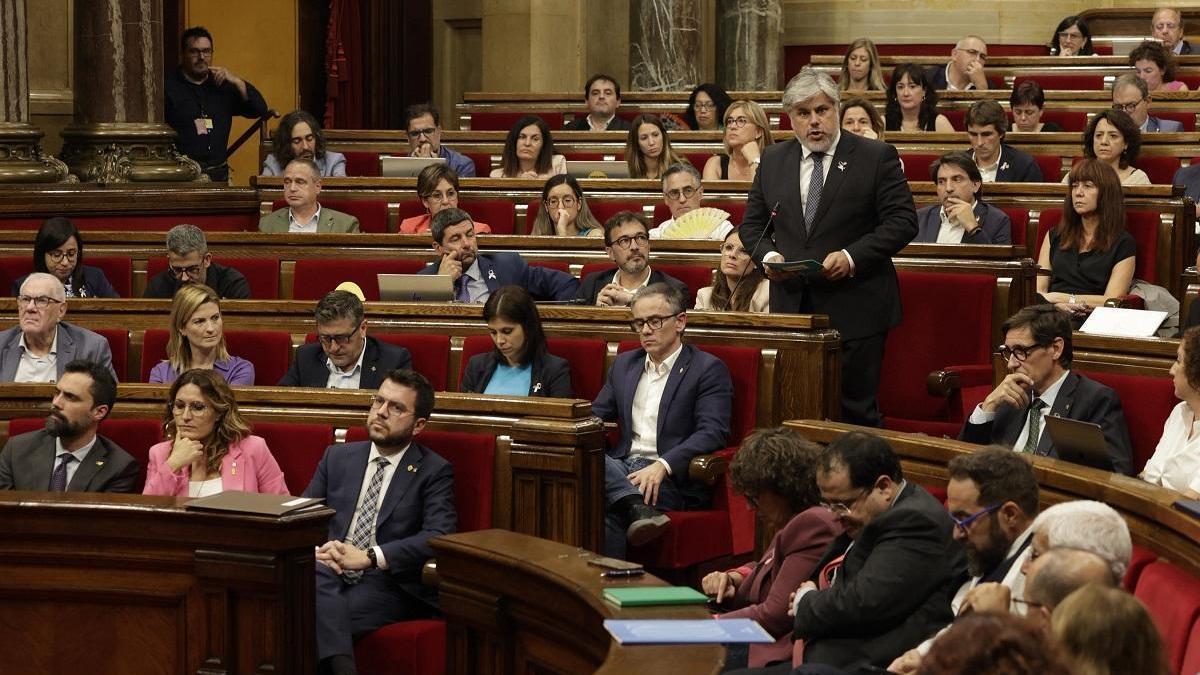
{"points": [[866, 208], [1017, 167], [551, 375], [995, 227], [892, 591], [1078, 399], [580, 123], [589, 289], [95, 284], [309, 370]]}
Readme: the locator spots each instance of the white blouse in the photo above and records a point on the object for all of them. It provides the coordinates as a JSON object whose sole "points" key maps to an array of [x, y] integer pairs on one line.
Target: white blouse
{"points": [[205, 488], [1176, 460]]}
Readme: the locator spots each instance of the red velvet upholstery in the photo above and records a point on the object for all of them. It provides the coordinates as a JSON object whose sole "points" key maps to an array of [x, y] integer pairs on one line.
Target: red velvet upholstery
{"points": [[1191, 658], [1069, 121], [1020, 223], [698, 159], [134, 436], [1161, 170], [411, 207], [472, 345], [372, 214], [957, 117], [928, 298], [269, 351], [736, 211], [362, 163], [1068, 82], [1172, 597], [317, 276], [503, 121], [1187, 119], [297, 448], [483, 163], [261, 273], [1147, 402], [410, 647], [497, 213], [13, 267], [1051, 166], [118, 344], [1141, 557], [916, 166], [430, 354], [1143, 225]]}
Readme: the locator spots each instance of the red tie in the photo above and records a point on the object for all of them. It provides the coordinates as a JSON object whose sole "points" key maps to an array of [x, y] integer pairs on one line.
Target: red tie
{"points": [[824, 580]]}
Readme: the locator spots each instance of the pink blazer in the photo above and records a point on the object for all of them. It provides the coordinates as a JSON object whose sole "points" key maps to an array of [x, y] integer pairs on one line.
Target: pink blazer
{"points": [[420, 225], [789, 561], [247, 467]]}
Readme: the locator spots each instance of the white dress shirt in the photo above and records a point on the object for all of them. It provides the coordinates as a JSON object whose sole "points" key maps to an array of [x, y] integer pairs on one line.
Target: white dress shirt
{"points": [[949, 232], [388, 472], [644, 282], [1176, 460], [303, 227], [646, 401], [33, 368], [979, 416], [600, 127], [341, 379], [79, 455], [988, 173]]}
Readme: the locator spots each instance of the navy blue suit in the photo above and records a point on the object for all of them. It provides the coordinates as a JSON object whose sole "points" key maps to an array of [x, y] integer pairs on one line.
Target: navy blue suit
{"points": [[418, 505], [995, 227], [502, 269], [379, 359], [1017, 166]]}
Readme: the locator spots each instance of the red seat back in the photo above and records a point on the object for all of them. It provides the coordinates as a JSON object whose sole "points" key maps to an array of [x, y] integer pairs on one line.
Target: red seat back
{"points": [[269, 351], [497, 213], [372, 214], [430, 354], [916, 166], [1051, 166], [1143, 225], [957, 117], [317, 276], [1137, 562], [1147, 402], [1069, 82], [503, 121], [362, 164], [297, 448], [1020, 223], [1161, 170], [118, 344], [1069, 121], [556, 265], [261, 273], [1187, 119], [1172, 597], [13, 267], [483, 163], [118, 270]]}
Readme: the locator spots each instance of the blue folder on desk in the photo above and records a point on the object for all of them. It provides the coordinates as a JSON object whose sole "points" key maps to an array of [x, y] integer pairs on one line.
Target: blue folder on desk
{"points": [[686, 631]]}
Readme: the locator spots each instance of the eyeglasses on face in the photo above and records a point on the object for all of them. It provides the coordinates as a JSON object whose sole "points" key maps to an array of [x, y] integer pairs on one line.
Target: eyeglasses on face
{"points": [[626, 242], [340, 340], [684, 192], [1022, 352], [736, 122], [565, 202], [1127, 107], [197, 407], [192, 51], [964, 524], [380, 403], [427, 131], [190, 271], [446, 196], [728, 248], [57, 256], [39, 301], [843, 507], [654, 322], [1068, 35], [704, 106]]}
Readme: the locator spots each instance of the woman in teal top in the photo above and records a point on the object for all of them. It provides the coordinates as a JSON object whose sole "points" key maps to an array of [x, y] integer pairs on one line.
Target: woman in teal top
{"points": [[520, 364], [564, 211]]}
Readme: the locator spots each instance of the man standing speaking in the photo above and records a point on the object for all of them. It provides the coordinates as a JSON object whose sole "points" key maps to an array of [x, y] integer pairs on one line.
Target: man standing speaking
{"points": [[842, 203]]}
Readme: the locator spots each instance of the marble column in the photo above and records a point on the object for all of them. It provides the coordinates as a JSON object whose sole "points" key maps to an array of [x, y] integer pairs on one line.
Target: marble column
{"points": [[749, 44], [118, 134], [664, 44], [21, 157]]}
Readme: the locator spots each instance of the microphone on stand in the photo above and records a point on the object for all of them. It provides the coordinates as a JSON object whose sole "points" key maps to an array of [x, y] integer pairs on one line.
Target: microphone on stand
{"points": [[766, 228]]}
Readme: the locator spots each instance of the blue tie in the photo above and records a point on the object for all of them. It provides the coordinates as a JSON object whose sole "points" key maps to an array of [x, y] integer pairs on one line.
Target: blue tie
{"points": [[58, 479], [461, 292], [815, 183]]}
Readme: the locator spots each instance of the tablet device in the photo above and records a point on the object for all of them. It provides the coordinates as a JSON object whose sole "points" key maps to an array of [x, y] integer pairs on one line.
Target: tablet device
{"points": [[416, 287], [405, 167], [1079, 442], [598, 169]]}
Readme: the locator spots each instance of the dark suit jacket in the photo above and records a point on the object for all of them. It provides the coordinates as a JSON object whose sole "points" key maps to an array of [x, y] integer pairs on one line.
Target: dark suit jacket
{"points": [[995, 227], [74, 342], [95, 284], [1078, 399], [502, 269], [1017, 166], [27, 461], [1189, 178], [226, 281], [866, 208], [418, 505], [893, 590], [580, 123], [693, 415], [379, 359], [551, 375], [1187, 48], [592, 283]]}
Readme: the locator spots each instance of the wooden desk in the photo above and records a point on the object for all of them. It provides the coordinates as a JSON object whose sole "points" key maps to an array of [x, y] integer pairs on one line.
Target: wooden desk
{"points": [[516, 604], [126, 584]]}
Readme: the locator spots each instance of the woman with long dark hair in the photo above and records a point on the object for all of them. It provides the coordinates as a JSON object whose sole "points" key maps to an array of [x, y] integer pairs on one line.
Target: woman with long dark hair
{"points": [[912, 102], [529, 151], [58, 250]]}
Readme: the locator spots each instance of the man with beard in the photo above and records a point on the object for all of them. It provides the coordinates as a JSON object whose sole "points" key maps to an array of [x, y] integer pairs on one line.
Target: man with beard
{"points": [[68, 455], [627, 242], [391, 496], [299, 136]]}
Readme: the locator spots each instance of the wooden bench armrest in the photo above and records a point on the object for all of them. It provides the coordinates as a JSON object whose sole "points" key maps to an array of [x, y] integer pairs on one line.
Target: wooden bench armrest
{"points": [[707, 469], [1127, 302], [948, 381]]}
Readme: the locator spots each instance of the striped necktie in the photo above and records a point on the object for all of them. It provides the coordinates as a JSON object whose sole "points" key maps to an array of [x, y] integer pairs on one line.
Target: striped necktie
{"points": [[815, 182], [364, 521]]}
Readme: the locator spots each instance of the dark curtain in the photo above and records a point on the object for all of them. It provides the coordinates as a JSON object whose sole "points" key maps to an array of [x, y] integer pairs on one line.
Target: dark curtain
{"points": [[344, 66]]}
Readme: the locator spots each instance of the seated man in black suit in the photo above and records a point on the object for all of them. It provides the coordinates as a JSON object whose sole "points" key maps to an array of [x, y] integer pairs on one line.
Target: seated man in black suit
{"points": [[961, 217], [344, 356], [627, 242], [603, 96], [1037, 349], [391, 496], [965, 69], [998, 162], [68, 455], [886, 583], [477, 275], [189, 262]]}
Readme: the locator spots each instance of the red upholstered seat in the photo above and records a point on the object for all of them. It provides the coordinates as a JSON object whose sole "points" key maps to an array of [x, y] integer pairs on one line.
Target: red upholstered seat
{"points": [[497, 213], [957, 117], [1191, 657], [1187, 119], [297, 448], [1141, 557], [13, 267], [1147, 402], [430, 354], [317, 276], [372, 214], [269, 351], [1172, 597], [503, 121], [695, 276], [134, 436], [1069, 121], [1069, 82], [698, 159], [483, 163], [584, 356], [736, 211], [1051, 166], [261, 273], [118, 344], [1020, 223], [916, 166], [1143, 225], [921, 345], [362, 163], [1161, 170], [411, 647]]}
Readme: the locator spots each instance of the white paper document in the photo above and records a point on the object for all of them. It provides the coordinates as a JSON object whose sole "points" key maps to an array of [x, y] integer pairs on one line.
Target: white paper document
{"points": [[1123, 322]]}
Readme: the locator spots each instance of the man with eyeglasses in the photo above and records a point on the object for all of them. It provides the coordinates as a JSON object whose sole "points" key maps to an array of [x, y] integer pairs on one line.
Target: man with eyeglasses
{"points": [[1130, 95], [627, 242], [682, 193], [304, 213], [201, 100], [477, 275], [423, 123], [344, 356], [40, 346], [672, 402], [602, 94], [1167, 26], [68, 455], [965, 69], [1037, 352], [189, 262], [885, 584], [391, 495]]}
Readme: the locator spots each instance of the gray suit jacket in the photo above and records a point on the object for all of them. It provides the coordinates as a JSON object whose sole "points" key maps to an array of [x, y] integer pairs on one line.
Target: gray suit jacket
{"points": [[73, 343], [27, 461], [330, 222]]}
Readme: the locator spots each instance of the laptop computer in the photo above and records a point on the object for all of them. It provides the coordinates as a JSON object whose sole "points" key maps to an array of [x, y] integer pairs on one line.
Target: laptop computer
{"points": [[404, 167], [1079, 442], [416, 287], [598, 169]]}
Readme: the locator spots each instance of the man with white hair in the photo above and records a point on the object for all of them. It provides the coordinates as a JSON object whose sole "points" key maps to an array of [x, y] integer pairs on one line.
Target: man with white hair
{"points": [[1088, 526], [1167, 26], [852, 212], [965, 70], [40, 346]]}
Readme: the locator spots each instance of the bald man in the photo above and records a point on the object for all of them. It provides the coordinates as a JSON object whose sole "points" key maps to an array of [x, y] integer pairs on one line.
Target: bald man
{"points": [[965, 69]]}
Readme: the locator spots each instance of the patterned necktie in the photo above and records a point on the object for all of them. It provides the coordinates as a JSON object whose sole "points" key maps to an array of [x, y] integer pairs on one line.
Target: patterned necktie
{"points": [[461, 292], [364, 521], [1035, 425], [815, 182], [58, 479]]}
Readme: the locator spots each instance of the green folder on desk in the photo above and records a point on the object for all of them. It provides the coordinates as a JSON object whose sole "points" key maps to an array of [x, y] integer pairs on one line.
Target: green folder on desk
{"points": [[645, 596]]}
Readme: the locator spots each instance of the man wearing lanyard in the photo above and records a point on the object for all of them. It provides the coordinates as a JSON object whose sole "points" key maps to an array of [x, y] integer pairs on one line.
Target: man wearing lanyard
{"points": [[201, 100]]}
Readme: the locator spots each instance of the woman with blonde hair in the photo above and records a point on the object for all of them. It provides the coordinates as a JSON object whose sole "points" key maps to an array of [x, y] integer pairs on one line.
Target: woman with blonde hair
{"points": [[210, 449], [198, 340], [648, 150], [1107, 631], [860, 68], [747, 133]]}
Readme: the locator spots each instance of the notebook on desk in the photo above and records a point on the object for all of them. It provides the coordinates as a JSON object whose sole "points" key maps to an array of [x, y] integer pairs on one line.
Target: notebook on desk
{"points": [[252, 502], [1079, 442]]}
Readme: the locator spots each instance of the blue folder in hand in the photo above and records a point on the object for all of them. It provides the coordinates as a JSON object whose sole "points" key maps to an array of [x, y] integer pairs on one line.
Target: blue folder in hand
{"points": [[686, 631]]}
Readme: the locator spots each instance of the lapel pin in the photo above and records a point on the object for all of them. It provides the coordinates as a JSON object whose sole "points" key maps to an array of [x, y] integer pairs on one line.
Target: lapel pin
{"points": [[841, 166], [99, 462], [491, 274], [537, 387], [372, 369], [411, 469], [1004, 166]]}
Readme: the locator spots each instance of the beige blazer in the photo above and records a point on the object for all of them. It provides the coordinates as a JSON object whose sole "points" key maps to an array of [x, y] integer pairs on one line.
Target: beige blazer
{"points": [[330, 222]]}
